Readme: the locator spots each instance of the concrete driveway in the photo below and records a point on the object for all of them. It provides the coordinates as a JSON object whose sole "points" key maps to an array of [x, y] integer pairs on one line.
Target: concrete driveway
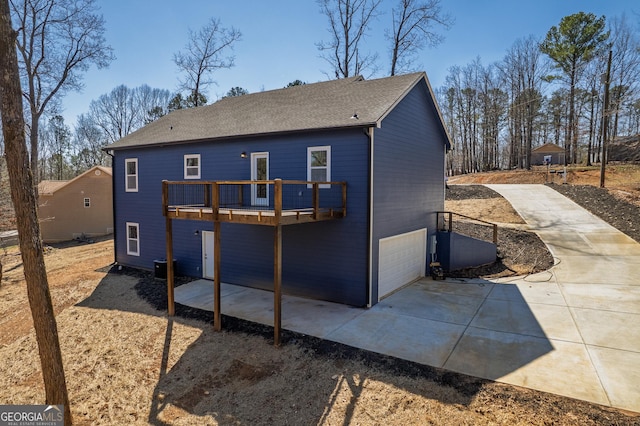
{"points": [[571, 331]]}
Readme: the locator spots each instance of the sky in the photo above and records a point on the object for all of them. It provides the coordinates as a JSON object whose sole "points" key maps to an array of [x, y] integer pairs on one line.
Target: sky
{"points": [[279, 39]]}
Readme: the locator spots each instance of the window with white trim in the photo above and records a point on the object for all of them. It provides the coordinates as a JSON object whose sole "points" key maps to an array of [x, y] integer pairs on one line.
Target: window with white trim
{"points": [[133, 239], [131, 174], [87, 203], [319, 164], [192, 166]]}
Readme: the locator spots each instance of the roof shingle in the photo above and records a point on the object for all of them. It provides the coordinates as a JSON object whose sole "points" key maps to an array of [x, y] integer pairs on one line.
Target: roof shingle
{"points": [[324, 105]]}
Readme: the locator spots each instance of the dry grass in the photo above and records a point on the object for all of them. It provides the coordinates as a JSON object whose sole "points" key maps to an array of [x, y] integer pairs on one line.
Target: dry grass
{"points": [[127, 363], [495, 210]]}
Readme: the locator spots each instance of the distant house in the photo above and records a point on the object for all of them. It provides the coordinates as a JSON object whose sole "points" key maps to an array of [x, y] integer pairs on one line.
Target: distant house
{"points": [[549, 153], [77, 208], [353, 177]]}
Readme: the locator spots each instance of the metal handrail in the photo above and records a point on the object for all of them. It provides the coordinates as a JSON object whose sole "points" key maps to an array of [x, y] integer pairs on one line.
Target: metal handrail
{"points": [[450, 223]]}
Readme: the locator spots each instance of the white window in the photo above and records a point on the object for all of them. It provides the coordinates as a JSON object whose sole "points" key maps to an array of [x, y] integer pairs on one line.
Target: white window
{"points": [[131, 174], [192, 166], [87, 202], [319, 164], [133, 239]]}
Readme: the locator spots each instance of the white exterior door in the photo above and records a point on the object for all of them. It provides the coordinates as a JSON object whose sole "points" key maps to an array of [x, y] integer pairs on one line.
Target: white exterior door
{"points": [[207, 255], [402, 259], [260, 171]]}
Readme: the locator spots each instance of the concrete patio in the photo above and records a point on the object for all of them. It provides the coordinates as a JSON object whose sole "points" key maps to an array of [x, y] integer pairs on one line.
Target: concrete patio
{"points": [[570, 331]]}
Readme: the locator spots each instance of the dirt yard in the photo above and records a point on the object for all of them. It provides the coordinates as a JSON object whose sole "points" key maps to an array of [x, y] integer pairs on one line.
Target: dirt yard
{"points": [[127, 363]]}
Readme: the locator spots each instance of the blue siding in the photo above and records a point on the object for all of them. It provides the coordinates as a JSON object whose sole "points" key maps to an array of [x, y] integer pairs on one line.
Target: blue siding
{"points": [[325, 260], [408, 171], [457, 251]]}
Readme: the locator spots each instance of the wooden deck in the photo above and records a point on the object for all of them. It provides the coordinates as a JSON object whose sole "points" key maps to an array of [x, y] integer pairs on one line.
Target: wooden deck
{"points": [[273, 203], [209, 201]]}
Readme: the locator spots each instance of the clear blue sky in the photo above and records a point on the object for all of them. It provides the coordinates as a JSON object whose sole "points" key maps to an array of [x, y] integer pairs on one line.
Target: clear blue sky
{"points": [[279, 36]]}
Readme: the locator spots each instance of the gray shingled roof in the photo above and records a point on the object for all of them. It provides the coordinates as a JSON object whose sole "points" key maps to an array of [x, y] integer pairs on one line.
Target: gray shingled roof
{"points": [[324, 105]]}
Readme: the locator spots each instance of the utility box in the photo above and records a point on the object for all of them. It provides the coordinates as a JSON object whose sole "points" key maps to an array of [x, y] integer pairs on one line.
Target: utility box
{"points": [[160, 268]]}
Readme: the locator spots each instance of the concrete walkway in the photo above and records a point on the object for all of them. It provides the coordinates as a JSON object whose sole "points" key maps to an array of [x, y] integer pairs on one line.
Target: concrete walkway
{"points": [[571, 331]]}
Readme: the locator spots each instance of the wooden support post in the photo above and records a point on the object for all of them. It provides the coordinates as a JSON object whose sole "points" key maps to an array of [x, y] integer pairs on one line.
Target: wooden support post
{"points": [[277, 284], [215, 200], [316, 200], [170, 294], [165, 197], [344, 199], [450, 221], [495, 234], [277, 199], [217, 317]]}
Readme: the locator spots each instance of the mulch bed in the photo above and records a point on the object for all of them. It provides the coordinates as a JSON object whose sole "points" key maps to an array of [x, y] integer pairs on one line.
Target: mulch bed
{"points": [[620, 214], [515, 247]]}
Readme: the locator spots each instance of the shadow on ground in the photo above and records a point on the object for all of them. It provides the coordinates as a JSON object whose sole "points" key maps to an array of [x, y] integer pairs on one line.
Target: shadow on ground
{"points": [[260, 383]]}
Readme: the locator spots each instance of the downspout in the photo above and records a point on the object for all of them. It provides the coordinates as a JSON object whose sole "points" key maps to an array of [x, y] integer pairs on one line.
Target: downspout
{"points": [[113, 203], [370, 289]]}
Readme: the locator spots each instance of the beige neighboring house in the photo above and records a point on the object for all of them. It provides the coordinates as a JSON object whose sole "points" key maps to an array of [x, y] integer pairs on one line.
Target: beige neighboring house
{"points": [[549, 153], [78, 208]]}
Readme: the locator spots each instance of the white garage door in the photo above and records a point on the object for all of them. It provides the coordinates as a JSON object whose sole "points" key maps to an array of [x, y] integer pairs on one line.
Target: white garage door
{"points": [[402, 259]]}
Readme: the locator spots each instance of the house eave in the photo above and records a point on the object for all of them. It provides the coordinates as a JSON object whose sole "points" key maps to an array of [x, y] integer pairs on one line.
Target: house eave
{"points": [[364, 124]]}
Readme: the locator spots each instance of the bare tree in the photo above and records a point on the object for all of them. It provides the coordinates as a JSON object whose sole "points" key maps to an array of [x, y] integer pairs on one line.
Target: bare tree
{"points": [[625, 68], [522, 71], [115, 112], [58, 140], [24, 201], [89, 140], [124, 110], [413, 28], [205, 52], [57, 41], [349, 21], [152, 102]]}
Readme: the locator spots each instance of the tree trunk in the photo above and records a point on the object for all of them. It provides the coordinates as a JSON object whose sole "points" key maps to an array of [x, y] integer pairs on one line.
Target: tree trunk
{"points": [[21, 182], [573, 143]]}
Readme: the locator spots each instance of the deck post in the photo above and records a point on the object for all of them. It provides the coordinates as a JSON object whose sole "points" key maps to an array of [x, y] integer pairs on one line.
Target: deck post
{"points": [[277, 200], [217, 316], [165, 197], [344, 199], [277, 284], [170, 293], [316, 201], [215, 200]]}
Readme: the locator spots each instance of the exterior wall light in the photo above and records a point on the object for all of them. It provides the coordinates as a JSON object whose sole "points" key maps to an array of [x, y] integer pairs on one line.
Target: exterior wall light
{"points": [[243, 154]]}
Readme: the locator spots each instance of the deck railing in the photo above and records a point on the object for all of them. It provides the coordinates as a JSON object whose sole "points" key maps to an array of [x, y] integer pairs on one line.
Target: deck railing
{"points": [[446, 223], [274, 197]]}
